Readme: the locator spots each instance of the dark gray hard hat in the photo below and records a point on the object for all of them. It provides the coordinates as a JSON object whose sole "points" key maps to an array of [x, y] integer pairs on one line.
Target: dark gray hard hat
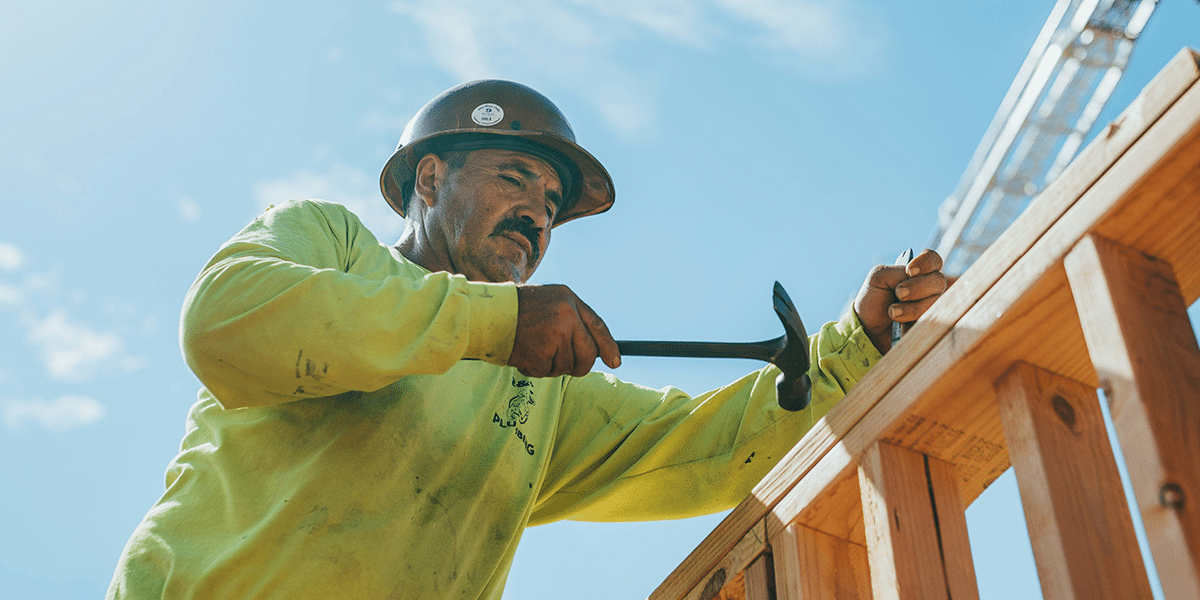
{"points": [[493, 113]]}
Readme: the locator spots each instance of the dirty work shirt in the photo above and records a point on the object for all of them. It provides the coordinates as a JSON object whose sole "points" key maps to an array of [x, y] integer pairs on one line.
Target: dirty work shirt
{"points": [[341, 447]]}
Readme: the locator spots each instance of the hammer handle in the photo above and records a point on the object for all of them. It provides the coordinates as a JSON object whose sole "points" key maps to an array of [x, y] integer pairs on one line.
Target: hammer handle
{"points": [[765, 350]]}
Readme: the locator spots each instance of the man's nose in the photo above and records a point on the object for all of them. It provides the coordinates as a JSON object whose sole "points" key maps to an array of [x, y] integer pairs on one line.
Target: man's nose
{"points": [[533, 213]]}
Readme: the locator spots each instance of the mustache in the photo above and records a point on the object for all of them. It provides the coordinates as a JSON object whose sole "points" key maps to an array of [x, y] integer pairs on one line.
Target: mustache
{"points": [[523, 227]]}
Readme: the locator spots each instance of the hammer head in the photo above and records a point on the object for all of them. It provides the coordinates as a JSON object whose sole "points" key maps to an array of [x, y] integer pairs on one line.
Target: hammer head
{"points": [[793, 386]]}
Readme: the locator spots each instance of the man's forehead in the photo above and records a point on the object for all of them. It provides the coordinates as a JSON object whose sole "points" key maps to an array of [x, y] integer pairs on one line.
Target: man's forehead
{"points": [[526, 164]]}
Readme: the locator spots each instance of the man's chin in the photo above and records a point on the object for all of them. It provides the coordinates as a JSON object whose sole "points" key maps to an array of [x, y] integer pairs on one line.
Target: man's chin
{"points": [[504, 272]]}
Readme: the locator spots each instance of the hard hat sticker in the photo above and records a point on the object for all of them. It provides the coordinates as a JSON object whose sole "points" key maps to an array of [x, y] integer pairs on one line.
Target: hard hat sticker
{"points": [[487, 114]]}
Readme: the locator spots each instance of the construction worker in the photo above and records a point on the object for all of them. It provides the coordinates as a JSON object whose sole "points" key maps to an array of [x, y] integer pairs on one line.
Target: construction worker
{"points": [[384, 421]]}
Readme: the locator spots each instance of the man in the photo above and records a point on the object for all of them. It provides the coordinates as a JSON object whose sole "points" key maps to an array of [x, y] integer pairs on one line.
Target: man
{"points": [[384, 422]]}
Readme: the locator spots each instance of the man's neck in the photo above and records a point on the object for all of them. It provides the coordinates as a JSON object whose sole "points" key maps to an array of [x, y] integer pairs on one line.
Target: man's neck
{"points": [[414, 244]]}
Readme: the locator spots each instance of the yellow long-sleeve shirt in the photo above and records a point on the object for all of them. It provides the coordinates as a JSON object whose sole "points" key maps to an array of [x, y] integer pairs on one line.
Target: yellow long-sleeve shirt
{"points": [[341, 447]]}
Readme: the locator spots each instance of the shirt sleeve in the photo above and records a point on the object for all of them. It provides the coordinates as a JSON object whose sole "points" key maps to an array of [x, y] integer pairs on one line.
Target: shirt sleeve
{"points": [[304, 302], [624, 452]]}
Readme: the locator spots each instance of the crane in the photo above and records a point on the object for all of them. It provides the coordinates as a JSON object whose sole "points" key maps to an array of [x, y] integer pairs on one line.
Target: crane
{"points": [[1070, 73]]}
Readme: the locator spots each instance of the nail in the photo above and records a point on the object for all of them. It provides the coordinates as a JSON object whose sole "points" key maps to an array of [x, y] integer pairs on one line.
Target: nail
{"points": [[1171, 496]]}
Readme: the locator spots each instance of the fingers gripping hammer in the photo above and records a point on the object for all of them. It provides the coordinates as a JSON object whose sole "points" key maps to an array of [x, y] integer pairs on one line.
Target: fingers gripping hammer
{"points": [[789, 352]]}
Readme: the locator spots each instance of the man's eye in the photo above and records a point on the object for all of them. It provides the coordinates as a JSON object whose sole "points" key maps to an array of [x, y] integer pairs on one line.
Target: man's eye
{"points": [[512, 180]]}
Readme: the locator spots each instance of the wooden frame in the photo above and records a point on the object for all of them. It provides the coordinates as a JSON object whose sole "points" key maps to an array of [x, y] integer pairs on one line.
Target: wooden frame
{"points": [[1137, 184]]}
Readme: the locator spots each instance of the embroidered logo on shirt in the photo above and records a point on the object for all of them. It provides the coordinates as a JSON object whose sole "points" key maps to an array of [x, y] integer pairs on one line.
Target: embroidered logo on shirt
{"points": [[517, 411]]}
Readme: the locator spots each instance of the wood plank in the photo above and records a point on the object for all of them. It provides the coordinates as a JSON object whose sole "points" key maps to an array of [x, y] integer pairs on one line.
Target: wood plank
{"points": [[811, 565], [760, 579], [1135, 320], [1079, 522], [891, 390], [914, 520], [725, 581], [952, 527]]}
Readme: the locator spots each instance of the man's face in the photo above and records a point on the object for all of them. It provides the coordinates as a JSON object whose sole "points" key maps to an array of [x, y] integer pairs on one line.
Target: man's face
{"points": [[494, 214]]}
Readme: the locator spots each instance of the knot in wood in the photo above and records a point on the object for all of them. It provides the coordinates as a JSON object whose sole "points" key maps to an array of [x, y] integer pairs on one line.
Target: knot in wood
{"points": [[1064, 410], [714, 585]]}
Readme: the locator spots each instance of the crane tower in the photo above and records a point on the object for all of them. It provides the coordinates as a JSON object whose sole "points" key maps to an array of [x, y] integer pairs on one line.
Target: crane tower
{"points": [[1068, 76]]}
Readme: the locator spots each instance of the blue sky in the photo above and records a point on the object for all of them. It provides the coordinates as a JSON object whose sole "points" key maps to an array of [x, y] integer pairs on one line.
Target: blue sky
{"points": [[749, 140]]}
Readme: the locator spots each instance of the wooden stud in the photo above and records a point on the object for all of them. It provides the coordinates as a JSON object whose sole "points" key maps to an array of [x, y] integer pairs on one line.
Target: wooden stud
{"points": [[944, 482], [1079, 522], [812, 565], [760, 580], [915, 526], [1141, 342]]}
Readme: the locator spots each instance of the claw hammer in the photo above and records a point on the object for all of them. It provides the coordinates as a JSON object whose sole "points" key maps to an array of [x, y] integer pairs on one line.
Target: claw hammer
{"points": [[789, 352]]}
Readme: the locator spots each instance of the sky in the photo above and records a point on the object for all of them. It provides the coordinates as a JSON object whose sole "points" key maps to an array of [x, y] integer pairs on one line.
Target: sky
{"points": [[749, 140]]}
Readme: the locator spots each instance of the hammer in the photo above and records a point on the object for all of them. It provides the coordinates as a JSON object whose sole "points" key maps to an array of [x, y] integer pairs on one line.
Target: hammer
{"points": [[789, 352]]}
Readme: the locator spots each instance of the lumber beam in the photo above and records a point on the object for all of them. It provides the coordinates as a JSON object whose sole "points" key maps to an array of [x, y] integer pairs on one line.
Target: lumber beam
{"points": [[915, 526], [760, 579], [1079, 523], [1140, 339], [812, 565]]}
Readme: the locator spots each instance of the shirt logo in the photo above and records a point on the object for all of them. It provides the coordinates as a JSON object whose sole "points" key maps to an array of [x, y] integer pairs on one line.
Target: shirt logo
{"points": [[517, 411]]}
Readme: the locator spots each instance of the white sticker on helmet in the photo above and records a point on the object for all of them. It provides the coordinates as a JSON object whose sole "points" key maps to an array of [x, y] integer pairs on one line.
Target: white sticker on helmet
{"points": [[487, 114]]}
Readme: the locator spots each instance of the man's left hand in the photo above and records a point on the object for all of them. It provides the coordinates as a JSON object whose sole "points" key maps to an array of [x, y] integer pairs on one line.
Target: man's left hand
{"points": [[898, 294]]}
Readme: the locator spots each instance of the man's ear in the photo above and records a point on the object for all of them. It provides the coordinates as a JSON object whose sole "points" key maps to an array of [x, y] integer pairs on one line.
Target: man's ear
{"points": [[430, 174]]}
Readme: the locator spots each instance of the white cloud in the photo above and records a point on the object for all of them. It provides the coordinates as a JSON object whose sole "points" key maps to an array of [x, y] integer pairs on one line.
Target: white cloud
{"points": [[75, 352], [10, 297], [583, 45], [832, 35], [188, 210], [69, 411], [354, 188], [11, 257], [21, 296], [69, 350], [570, 44], [380, 121], [682, 22]]}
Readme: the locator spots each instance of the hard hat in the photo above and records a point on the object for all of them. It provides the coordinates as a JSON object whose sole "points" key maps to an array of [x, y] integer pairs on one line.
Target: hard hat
{"points": [[493, 113]]}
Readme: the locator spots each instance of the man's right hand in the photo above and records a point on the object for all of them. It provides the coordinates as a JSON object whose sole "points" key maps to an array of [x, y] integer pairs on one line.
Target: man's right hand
{"points": [[557, 334]]}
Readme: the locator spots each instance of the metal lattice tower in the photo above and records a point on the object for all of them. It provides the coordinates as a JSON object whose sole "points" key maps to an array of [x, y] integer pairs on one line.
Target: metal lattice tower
{"points": [[1065, 81]]}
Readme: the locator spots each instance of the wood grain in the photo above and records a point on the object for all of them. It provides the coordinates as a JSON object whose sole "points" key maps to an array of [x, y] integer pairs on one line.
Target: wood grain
{"points": [[811, 565], [910, 503], [1079, 523], [1135, 319], [760, 579]]}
